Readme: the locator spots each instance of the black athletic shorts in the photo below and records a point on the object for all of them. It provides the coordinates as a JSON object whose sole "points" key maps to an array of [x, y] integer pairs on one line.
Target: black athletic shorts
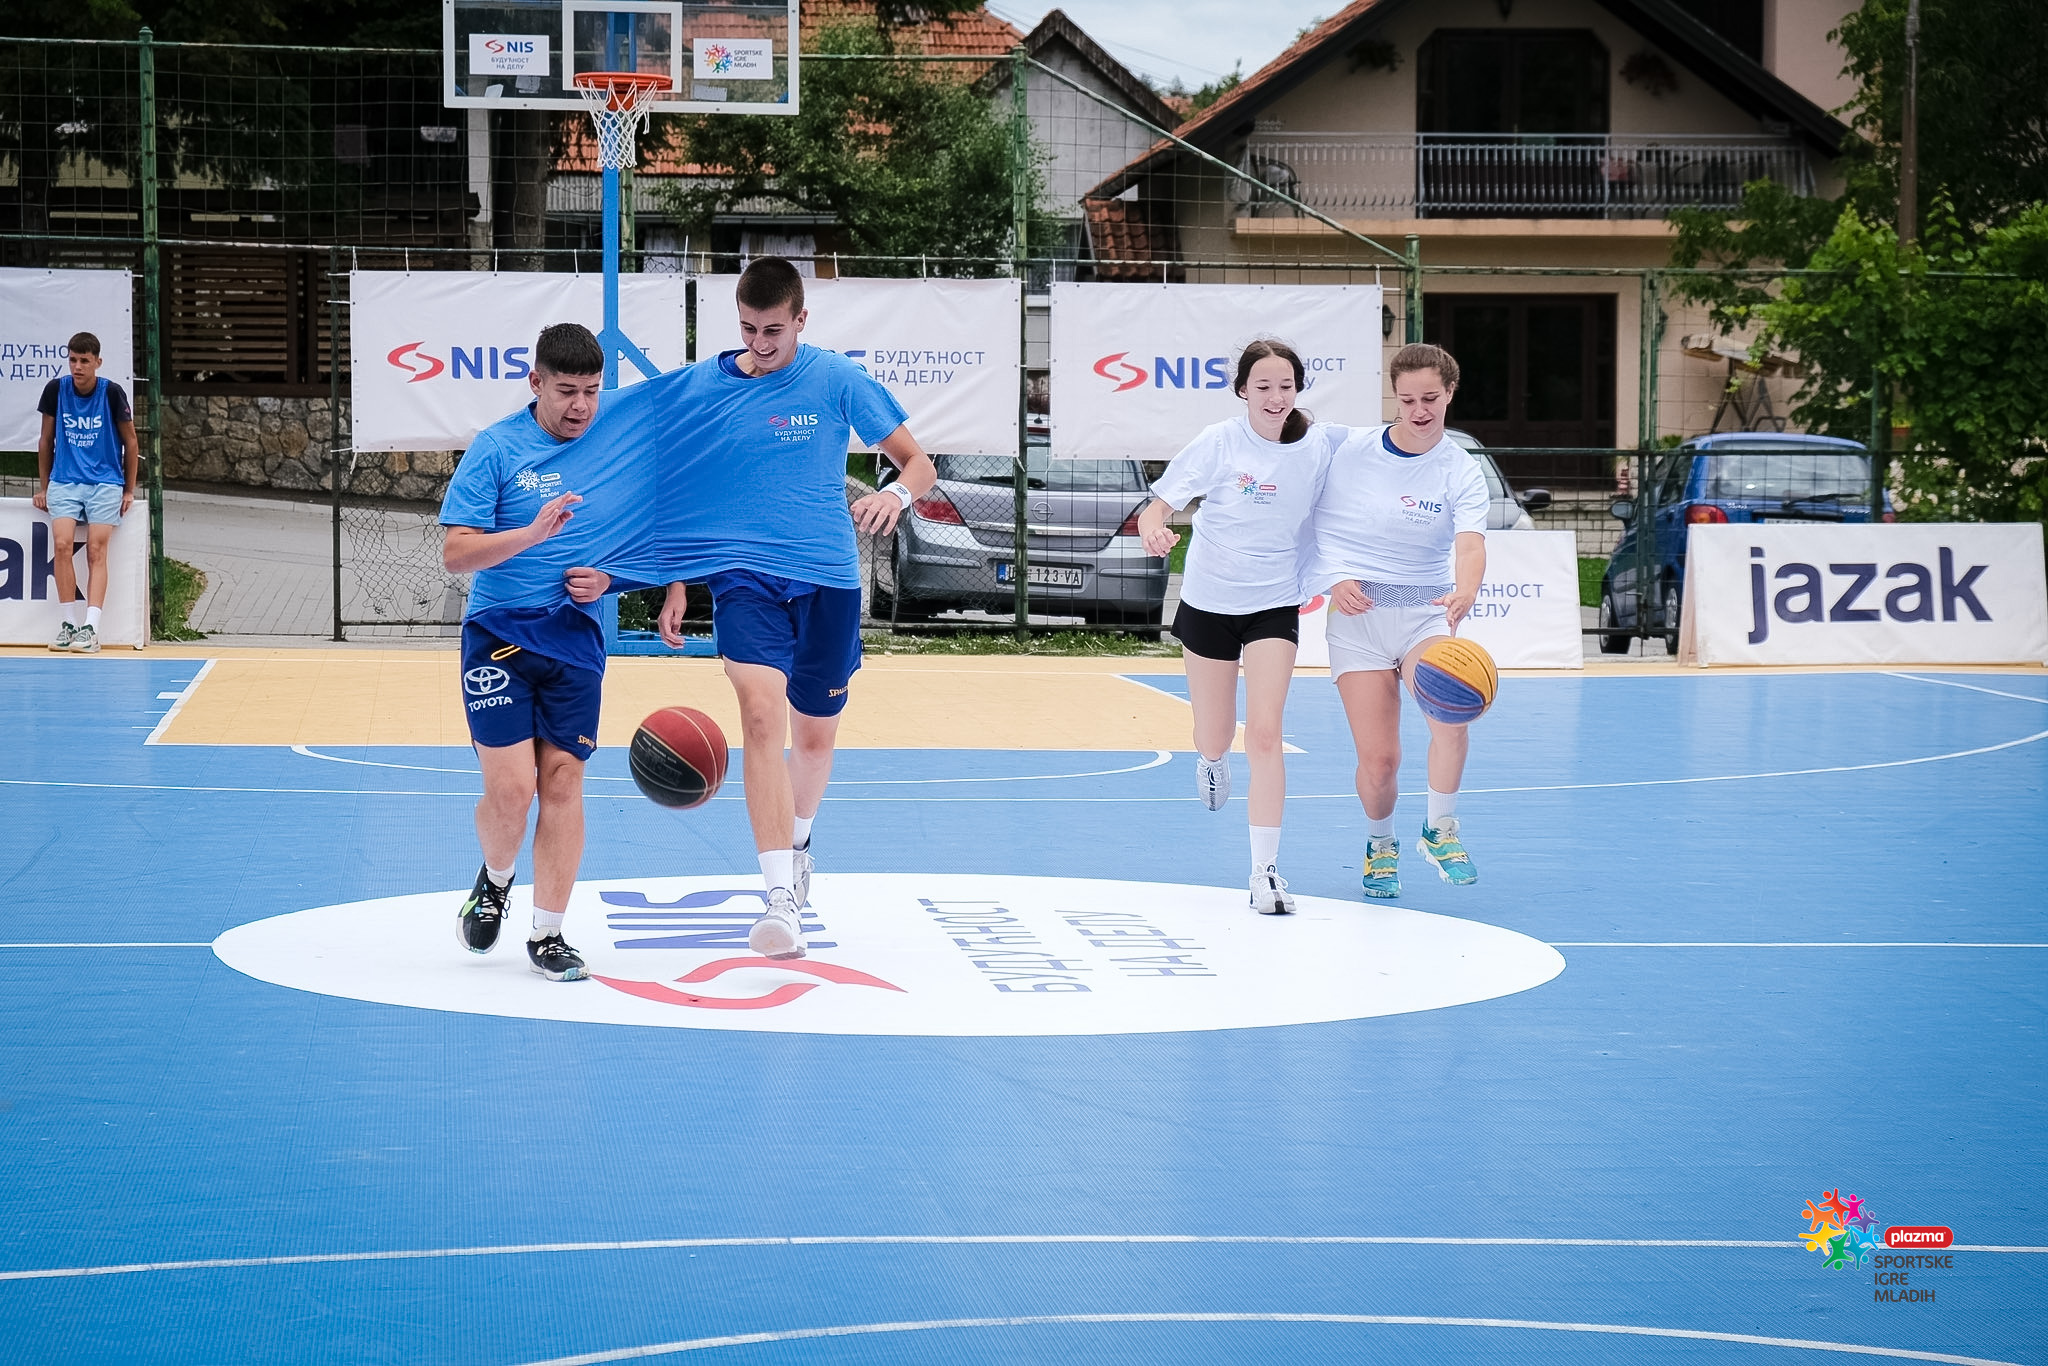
{"points": [[1223, 635]]}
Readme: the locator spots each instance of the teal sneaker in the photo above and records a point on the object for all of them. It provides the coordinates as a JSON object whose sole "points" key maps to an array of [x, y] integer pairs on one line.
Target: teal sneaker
{"points": [[1382, 880], [1442, 848], [65, 635]]}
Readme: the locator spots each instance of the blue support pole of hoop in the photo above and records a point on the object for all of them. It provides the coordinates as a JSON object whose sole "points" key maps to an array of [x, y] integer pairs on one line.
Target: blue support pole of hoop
{"points": [[614, 341]]}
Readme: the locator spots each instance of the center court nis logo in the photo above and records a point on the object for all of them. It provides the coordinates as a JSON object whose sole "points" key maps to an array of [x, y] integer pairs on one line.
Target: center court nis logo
{"points": [[914, 954]]}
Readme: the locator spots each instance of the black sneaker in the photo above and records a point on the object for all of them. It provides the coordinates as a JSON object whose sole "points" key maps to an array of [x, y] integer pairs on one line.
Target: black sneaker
{"points": [[478, 921], [555, 960]]}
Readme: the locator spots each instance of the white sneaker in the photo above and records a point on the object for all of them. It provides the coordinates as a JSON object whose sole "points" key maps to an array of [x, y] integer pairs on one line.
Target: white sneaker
{"points": [[1269, 893], [801, 864], [779, 933], [85, 641], [1212, 781]]}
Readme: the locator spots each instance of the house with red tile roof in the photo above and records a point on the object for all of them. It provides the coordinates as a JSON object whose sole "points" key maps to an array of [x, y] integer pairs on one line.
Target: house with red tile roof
{"points": [[1529, 133]]}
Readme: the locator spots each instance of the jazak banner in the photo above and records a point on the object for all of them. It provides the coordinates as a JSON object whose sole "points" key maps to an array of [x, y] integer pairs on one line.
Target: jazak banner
{"points": [[1888, 593], [437, 356], [1137, 370], [949, 350], [40, 310]]}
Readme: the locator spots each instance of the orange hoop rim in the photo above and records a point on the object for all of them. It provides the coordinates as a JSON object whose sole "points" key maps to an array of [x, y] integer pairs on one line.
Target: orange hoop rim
{"points": [[622, 89]]}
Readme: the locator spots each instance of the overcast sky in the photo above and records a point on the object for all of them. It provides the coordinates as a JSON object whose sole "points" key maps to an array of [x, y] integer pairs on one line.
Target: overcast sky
{"points": [[1194, 40]]}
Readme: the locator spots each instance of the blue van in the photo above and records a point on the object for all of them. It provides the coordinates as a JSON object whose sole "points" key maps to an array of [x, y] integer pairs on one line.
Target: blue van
{"points": [[1727, 477]]}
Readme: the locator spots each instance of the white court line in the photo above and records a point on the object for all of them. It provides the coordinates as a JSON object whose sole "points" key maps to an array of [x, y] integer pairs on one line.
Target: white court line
{"points": [[155, 736], [1784, 944], [1395, 1320], [1286, 746], [922, 1239], [135, 945], [1969, 687], [1159, 757]]}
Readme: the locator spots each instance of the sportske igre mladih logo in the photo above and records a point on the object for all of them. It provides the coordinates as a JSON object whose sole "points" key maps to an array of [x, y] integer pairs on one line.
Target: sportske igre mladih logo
{"points": [[1842, 1229], [718, 59]]}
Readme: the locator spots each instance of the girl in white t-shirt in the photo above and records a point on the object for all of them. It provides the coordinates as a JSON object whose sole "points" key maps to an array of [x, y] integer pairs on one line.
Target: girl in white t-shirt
{"points": [[1240, 600], [1400, 534]]}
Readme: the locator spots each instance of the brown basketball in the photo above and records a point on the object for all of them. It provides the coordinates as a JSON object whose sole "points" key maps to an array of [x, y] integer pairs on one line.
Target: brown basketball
{"points": [[678, 757]]}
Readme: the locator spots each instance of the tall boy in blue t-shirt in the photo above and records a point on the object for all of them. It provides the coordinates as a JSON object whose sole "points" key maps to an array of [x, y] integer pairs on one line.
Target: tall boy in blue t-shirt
{"points": [[81, 476], [532, 649], [783, 565]]}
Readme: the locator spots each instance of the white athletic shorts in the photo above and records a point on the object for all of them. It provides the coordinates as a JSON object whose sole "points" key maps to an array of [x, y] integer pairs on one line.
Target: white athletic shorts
{"points": [[1381, 637]]}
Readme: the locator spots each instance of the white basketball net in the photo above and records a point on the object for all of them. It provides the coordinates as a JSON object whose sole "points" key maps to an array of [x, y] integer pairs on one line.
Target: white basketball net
{"points": [[619, 109]]}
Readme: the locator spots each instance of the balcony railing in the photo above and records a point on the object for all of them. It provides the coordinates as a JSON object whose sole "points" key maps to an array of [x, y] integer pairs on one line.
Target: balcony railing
{"points": [[1530, 175]]}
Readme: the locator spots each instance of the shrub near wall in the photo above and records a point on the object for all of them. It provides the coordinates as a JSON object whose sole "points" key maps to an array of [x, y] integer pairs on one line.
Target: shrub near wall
{"points": [[281, 443]]}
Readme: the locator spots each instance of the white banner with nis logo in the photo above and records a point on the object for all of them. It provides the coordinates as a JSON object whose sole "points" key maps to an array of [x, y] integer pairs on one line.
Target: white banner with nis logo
{"points": [[948, 350], [1137, 370], [1903, 593], [437, 356], [40, 310]]}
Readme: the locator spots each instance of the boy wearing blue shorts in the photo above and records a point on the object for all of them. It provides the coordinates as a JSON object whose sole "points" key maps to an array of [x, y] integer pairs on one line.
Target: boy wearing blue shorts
{"points": [[784, 571], [532, 648], [82, 476]]}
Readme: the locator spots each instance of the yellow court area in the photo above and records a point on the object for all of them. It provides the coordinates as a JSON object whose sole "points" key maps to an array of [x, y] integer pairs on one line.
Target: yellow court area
{"points": [[413, 697]]}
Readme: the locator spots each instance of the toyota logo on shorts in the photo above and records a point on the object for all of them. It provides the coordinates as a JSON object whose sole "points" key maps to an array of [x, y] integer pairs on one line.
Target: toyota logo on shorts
{"points": [[481, 682]]}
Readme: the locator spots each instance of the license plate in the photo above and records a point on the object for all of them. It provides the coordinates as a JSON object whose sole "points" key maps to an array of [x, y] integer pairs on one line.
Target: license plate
{"points": [[1040, 575], [1794, 521]]}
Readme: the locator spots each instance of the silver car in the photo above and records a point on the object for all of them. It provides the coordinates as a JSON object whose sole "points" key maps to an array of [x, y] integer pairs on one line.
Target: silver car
{"points": [[1506, 510], [956, 546]]}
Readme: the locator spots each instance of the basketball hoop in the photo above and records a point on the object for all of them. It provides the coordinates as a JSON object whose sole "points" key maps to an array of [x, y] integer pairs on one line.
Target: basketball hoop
{"points": [[620, 102]]}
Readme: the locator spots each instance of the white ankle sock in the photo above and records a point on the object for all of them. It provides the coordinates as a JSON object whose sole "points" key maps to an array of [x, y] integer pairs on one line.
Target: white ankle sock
{"points": [[1380, 829], [801, 838], [500, 877], [92, 617], [74, 612], [546, 923], [778, 869], [1441, 805], [1265, 847]]}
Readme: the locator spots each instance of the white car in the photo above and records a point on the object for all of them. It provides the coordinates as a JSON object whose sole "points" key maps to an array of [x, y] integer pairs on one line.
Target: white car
{"points": [[1506, 509]]}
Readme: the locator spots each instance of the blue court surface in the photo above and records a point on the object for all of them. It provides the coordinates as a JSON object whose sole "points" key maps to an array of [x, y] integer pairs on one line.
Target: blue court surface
{"points": [[1751, 957]]}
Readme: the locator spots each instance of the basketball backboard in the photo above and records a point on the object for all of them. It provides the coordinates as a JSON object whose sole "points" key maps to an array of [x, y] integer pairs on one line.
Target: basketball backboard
{"points": [[720, 56]]}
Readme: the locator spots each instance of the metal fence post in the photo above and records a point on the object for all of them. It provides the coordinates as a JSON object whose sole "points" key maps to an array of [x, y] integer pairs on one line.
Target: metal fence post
{"points": [[1411, 281], [1647, 558], [1880, 446], [152, 329], [334, 418], [1020, 238]]}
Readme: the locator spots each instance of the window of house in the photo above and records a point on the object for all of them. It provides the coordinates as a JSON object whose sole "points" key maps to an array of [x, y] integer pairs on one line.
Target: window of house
{"points": [[1512, 81], [1536, 370]]}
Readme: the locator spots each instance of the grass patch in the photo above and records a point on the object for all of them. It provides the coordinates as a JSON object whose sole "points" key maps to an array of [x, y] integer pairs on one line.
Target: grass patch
{"points": [[1591, 567], [182, 586], [18, 464], [1177, 558], [1005, 642]]}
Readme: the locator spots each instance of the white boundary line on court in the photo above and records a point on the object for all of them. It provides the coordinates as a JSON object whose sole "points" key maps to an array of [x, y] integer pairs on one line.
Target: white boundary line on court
{"points": [[155, 736], [923, 1239], [1968, 687], [1782, 944], [138, 945], [1395, 1320], [1160, 757]]}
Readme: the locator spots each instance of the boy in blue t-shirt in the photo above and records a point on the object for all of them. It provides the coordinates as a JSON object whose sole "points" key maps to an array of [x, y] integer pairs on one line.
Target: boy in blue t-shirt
{"points": [[782, 565], [532, 648], [81, 476]]}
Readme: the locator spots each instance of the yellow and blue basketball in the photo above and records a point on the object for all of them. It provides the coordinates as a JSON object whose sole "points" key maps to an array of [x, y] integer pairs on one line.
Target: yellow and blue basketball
{"points": [[1454, 680]]}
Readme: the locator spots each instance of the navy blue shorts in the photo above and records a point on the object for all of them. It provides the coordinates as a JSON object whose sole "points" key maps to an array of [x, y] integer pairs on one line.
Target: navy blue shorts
{"points": [[810, 633], [512, 695]]}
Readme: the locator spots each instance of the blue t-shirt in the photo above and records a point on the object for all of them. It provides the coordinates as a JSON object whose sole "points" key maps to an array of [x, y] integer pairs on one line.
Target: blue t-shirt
{"points": [[753, 470], [509, 471], [87, 446]]}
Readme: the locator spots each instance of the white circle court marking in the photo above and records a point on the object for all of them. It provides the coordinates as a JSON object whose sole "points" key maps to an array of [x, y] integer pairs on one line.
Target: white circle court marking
{"points": [[913, 954], [1353, 1320]]}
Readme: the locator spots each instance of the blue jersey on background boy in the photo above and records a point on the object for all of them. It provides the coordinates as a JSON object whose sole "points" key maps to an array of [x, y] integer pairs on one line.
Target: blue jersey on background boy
{"points": [[87, 464]]}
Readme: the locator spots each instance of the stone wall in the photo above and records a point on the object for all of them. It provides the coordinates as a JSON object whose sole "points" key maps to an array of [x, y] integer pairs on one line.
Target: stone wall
{"points": [[281, 443]]}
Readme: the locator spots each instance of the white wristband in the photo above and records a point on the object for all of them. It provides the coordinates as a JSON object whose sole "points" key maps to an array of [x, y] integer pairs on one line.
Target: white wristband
{"points": [[905, 494]]}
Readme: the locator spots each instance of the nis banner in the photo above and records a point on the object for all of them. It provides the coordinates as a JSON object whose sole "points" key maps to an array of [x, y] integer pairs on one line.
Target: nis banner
{"points": [[947, 349], [438, 356], [1903, 593], [1139, 369], [40, 310]]}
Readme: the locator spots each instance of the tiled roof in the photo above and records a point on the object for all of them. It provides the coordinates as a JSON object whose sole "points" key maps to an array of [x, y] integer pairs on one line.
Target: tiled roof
{"points": [[1127, 245]]}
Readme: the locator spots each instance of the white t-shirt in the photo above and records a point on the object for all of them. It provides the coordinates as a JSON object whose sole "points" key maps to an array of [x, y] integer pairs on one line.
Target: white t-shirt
{"points": [[1251, 539], [1391, 518]]}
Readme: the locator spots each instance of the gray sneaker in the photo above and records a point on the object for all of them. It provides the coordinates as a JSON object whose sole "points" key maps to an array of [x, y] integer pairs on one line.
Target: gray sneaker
{"points": [[779, 933], [85, 641], [801, 864], [65, 635], [1212, 781]]}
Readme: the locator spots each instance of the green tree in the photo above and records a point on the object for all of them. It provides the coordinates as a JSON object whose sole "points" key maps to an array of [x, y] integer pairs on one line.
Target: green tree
{"points": [[908, 158]]}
